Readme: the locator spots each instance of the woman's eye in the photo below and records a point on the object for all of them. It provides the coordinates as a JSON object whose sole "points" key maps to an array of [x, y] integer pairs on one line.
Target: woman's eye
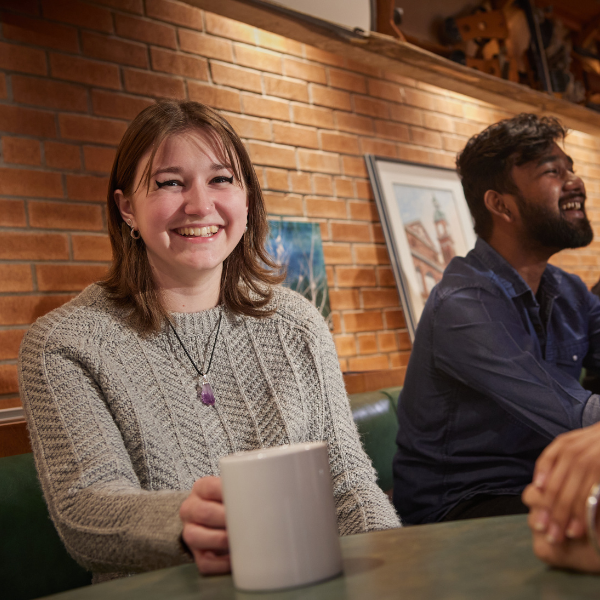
{"points": [[222, 179], [168, 183]]}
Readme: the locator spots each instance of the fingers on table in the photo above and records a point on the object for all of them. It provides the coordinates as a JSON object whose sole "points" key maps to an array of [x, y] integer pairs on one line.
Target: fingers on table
{"points": [[211, 563], [198, 537]]}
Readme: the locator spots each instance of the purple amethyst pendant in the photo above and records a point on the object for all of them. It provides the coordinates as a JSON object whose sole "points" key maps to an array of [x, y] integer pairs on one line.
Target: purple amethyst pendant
{"points": [[205, 393]]}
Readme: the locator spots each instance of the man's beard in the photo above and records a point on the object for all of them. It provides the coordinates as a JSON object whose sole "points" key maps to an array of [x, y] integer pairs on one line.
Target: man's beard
{"points": [[554, 231]]}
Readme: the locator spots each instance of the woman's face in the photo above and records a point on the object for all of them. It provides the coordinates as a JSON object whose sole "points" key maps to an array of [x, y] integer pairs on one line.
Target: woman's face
{"points": [[194, 213]]}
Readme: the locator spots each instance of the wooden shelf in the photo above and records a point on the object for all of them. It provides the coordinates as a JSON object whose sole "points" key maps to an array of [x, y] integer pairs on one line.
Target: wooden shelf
{"points": [[387, 53]]}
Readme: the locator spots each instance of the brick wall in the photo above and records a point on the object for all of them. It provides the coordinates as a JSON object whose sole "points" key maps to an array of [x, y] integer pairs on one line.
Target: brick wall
{"points": [[72, 74]]}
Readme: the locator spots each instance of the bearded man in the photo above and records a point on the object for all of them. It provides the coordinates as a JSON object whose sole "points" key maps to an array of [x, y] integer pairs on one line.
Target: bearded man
{"points": [[494, 371]]}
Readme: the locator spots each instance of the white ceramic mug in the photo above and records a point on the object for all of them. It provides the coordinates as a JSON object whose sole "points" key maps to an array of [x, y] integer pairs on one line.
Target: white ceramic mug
{"points": [[281, 518]]}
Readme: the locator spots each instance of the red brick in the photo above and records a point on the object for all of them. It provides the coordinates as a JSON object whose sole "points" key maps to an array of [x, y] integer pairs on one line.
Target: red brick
{"points": [[277, 179], [55, 215], [67, 278], [10, 340], [152, 84], [205, 45], [322, 56], [401, 79], [15, 278], [110, 104], [385, 277], [21, 151], [350, 232], [467, 129], [413, 154], [272, 156], [309, 115], [62, 156], [20, 310], [9, 381], [363, 321], [228, 28], [354, 166], [213, 96], [363, 211], [354, 65], [439, 122], [394, 319], [256, 58], [86, 71], [39, 33], [385, 90], [286, 88], [236, 77], [344, 187], [295, 135], [368, 363], [387, 341], [179, 64], [367, 343], [392, 131], [355, 277], [22, 59], [300, 182], [249, 127], [339, 142], [29, 7], [272, 41], [378, 147], [323, 185], [406, 114], [337, 254], [321, 162], [33, 246], [78, 13], [12, 213], [91, 248], [88, 188], [344, 299], [143, 30], [345, 345], [303, 70], [424, 137], [114, 50], [326, 96], [36, 184], [325, 208], [98, 159], [91, 129], [133, 6], [266, 107], [378, 236], [370, 106], [49, 93], [3, 92], [14, 119], [347, 81], [354, 123], [178, 13], [419, 99], [387, 298], [284, 204]]}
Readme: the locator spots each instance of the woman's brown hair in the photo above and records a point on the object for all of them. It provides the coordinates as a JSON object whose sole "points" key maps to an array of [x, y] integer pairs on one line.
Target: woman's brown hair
{"points": [[248, 272]]}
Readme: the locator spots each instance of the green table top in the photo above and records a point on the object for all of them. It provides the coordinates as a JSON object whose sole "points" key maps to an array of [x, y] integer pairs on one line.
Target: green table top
{"points": [[479, 559]]}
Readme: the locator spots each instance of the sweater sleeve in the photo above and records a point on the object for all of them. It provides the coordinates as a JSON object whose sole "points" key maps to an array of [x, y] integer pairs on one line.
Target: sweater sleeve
{"points": [[106, 520], [361, 504]]}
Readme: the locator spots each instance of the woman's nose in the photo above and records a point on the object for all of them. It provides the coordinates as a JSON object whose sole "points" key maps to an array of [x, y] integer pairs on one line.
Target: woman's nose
{"points": [[198, 200]]}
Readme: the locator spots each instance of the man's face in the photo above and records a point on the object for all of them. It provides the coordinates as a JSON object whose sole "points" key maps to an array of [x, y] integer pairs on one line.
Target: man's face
{"points": [[551, 201]]}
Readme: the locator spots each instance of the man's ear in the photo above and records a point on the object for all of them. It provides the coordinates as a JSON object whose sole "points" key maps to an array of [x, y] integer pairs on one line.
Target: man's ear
{"points": [[499, 205], [125, 208]]}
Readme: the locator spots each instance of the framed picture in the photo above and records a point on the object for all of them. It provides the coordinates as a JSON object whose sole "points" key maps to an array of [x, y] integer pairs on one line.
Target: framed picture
{"points": [[299, 247], [426, 222]]}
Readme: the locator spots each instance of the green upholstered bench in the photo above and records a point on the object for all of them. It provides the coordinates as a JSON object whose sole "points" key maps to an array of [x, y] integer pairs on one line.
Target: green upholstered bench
{"points": [[33, 559], [375, 417]]}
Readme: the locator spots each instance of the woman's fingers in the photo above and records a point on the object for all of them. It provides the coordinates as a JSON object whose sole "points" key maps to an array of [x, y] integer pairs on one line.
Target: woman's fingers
{"points": [[211, 563], [204, 505], [198, 537]]}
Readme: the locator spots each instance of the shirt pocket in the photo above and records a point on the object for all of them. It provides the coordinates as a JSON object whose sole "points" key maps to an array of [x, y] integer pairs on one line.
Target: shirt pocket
{"points": [[569, 357]]}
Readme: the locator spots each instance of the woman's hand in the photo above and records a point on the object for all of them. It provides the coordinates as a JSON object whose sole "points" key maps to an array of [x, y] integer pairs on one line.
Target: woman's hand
{"points": [[204, 527], [564, 474]]}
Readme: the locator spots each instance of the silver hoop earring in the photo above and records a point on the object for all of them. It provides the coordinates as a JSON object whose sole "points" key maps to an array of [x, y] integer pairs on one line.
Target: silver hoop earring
{"points": [[246, 229], [135, 234]]}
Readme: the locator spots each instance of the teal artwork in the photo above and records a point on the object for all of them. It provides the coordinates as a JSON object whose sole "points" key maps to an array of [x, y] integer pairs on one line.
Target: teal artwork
{"points": [[298, 246]]}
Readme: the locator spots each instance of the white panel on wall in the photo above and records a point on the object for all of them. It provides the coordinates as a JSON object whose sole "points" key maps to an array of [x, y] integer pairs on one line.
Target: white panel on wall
{"points": [[349, 13]]}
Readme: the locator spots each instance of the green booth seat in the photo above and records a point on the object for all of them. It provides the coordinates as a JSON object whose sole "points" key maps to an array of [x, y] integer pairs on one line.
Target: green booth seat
{"points": [[375, 416], [33, 559]]}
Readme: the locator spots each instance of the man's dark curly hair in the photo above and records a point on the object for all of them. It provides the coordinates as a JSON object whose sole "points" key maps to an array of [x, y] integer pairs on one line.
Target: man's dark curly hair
{"points": [[488, 158]]}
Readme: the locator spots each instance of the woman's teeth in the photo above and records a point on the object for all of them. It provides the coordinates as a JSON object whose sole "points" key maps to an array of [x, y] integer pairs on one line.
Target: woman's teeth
{"points": [[198, 231]]}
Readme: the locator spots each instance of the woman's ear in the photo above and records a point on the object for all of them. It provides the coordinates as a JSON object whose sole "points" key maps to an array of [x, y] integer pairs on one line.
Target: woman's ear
{"points": [[499, 205], [125, 208]]}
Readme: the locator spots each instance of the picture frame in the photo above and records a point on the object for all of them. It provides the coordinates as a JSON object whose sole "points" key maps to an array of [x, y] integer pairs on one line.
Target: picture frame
{"points": [[425, 221]]}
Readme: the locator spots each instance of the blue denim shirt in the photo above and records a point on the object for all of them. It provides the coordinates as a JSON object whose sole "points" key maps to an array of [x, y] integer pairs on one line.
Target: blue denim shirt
{"points": [[492, 379]]}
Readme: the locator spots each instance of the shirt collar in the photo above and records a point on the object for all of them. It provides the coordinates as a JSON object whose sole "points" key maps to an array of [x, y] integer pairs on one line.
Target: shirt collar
{"points": [[507, 276]]}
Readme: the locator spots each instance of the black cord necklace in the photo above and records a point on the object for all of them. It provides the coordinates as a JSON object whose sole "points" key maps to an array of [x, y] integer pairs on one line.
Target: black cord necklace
{"points": [[205, 392]]}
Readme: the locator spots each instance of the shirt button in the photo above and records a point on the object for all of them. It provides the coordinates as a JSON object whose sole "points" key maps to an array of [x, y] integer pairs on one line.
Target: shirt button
{"points": [[574, 357]]}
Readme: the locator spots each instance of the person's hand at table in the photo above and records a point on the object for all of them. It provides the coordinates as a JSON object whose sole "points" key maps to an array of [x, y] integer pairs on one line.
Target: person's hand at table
{"points": [[563, 476], [204, 526]]}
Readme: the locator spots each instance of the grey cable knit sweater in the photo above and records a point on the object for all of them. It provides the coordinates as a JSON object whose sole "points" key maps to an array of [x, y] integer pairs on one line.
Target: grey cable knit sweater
{"points": [[119, 435]]}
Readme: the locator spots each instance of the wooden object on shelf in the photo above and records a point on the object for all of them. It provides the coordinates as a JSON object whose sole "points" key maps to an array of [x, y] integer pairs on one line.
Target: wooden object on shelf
{"points": [[385, 19], [490, 66], [491, 24], [14, 439], [371, 381]]}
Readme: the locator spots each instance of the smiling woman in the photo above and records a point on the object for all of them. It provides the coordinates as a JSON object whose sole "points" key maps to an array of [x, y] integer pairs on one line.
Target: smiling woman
{"points": [[187, 352]]}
